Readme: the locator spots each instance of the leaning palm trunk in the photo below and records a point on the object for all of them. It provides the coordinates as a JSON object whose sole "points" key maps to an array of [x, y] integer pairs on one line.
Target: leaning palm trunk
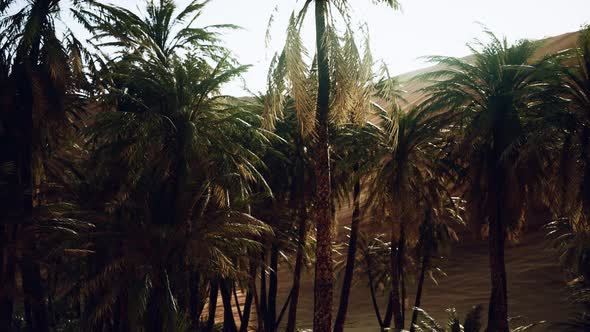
{"points": [[350, 259], [213, 293], [292, 318], [323, 286], [249, 298], [229, 323]]}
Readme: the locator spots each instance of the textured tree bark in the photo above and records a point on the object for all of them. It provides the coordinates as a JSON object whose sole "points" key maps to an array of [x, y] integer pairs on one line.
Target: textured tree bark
{"points": [[350, 258], [292, 318], [213, 293], [324, 279]]}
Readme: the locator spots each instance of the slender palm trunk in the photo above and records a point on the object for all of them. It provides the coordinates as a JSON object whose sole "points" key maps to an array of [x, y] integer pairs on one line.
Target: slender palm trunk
{"points": [[271, 315], [372, 289], [249, 299], [425, 260], [292, 318], [229, 323], [400, 266], [324, 279], [11, 204], [388, 312], [350, 259], [7, 278], [498, 307], [247, 310], [237, 301], [283, 309], [395, 281], [263, 297], [30, 269], [196, 302], [506, 131], [32, 285], [213, 293]]}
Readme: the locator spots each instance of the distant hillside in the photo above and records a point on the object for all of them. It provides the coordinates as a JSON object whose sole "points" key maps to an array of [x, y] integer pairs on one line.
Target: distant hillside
{"points": [[550, 45]]}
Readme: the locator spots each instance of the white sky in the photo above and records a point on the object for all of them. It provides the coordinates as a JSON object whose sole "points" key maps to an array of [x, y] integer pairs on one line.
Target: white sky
{"points": [[423, 27]]}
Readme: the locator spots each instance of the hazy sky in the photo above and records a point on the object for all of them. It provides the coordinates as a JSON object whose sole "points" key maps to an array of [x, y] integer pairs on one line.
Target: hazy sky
{"points": [[423, 27]]}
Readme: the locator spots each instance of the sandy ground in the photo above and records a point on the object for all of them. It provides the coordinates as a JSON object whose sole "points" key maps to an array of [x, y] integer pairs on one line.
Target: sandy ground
{"points": [[536, 288]]}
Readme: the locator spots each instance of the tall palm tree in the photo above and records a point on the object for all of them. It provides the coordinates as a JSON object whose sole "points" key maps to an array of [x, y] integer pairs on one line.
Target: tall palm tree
{"points": [[498, 96], [410, 142], [290, 178], [187, 155], [570, 181], [317, 123], [353, 146], [42, 78]]}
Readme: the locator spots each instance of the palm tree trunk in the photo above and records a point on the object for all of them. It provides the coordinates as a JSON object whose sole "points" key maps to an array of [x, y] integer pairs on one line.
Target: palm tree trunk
{"points": [[324, 279], [249, 298], [292, 318], [425, 260], [395, 281], [263, 297], [498, 307], [388, 313], [283, 309], [196, 302], [213, 293], [372, 289], [7, 278], [32, 286], [237, 301], [350, 258], [271, 315], [229, 323], [400, 265]]}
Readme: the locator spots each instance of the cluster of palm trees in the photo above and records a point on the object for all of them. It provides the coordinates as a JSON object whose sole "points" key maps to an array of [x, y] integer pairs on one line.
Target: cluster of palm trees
{"points": [[135, 194]]}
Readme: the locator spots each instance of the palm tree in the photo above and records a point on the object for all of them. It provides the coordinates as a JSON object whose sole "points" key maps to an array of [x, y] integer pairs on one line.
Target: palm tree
{"points": [[42, 74], [409, 143], [188, 161], [352, 144], [290, 176], [440, 212], [571, 178], [498, 96], [317, 124]]}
